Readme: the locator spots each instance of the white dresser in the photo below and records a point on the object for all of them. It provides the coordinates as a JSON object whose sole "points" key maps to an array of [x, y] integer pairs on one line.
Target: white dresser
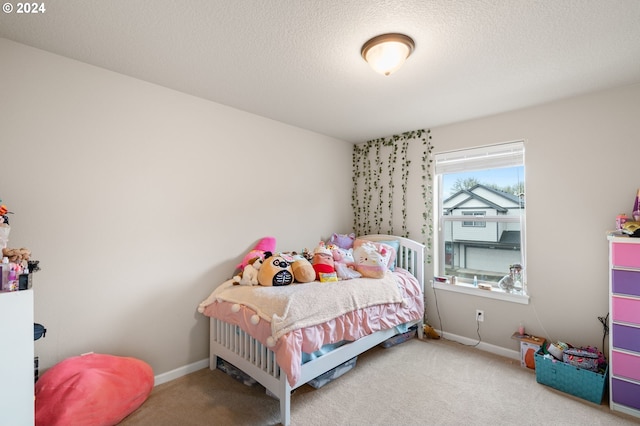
{"points": [[624, 330], [16, 358]]}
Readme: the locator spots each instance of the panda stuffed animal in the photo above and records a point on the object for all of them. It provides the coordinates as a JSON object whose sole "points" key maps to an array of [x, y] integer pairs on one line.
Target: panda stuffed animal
{"points": [[275, 271]]}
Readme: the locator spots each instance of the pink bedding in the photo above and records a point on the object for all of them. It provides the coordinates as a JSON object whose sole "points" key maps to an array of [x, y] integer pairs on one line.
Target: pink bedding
{"points": [[350, 326]]}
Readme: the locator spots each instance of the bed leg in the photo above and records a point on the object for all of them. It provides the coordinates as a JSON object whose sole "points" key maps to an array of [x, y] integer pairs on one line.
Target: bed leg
{"points": [[421, 330], [213, 361], [213, 358], [285, 401]]}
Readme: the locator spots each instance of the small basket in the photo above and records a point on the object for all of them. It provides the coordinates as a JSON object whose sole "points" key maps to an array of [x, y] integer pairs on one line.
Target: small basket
{"points": [[585, 384]]}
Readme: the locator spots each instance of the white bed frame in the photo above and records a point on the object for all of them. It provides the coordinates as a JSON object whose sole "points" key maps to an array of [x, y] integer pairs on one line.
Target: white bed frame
{"points": [[237, 347]]}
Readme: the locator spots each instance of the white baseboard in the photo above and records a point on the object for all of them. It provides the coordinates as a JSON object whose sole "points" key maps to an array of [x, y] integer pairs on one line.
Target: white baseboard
{"points": [[487, 347], [181, 371]]}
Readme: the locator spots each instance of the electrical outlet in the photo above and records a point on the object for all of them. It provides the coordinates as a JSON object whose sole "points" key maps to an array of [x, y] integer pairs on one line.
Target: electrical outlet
{"points": [[479, 315]]}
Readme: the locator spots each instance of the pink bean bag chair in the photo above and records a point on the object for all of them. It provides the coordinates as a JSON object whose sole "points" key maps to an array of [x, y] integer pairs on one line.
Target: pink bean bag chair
{"points": [[92, 389]]}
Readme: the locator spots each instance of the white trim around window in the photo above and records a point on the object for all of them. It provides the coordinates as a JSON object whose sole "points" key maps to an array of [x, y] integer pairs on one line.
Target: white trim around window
{"points": [[478, 159], [493, 294]]}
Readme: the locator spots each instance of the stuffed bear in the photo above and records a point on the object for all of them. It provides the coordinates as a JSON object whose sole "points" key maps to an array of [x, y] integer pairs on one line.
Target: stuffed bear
{"points": [[323, 264], [344, 241], [275, 271], [16, 255], [249, 276], [370, 260]]}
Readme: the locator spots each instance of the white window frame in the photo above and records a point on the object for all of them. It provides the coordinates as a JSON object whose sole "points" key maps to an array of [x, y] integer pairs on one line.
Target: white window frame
{"points": [[507, 154]]}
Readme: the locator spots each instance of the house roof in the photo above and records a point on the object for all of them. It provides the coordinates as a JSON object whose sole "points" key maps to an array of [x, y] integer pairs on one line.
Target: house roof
{"points": [[510, 238], [299, 62], [465, 195]]}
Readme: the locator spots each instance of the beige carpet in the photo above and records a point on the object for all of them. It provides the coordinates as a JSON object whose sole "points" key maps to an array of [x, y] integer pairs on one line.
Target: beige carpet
{"points": [[434, 382]]}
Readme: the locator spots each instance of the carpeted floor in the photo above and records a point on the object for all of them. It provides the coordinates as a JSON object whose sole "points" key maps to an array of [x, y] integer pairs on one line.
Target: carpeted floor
{"points": [[434, 382]]}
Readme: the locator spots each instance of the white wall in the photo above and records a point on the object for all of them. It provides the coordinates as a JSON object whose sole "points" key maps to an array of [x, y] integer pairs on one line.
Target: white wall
{"points": [[581, 171], [139, 200]]}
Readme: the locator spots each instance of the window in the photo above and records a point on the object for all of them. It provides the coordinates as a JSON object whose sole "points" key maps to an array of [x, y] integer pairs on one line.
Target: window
{"points": [[480, 216], [478, 224]]}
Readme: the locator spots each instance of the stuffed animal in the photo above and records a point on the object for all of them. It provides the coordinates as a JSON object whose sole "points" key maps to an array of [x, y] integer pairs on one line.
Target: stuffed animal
{"points": [[4, 219], [370, 260], [16, 255], [389, 252], [344, 241], [249, 275], [275, 271], [307, 254], [323, 264], [265, 244], [344, 263], [303, 271]]}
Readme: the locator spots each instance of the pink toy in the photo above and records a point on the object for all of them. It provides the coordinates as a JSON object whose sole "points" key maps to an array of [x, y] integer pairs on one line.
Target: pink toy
{"points": [[265, 244], [323, 262], [344, 263]]}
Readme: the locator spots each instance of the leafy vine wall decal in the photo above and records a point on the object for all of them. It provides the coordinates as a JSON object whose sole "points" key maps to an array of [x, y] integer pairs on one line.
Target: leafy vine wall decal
{"points": [[372, 200]]}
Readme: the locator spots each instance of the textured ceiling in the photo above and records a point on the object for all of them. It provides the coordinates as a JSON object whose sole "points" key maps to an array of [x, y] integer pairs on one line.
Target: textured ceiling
{"points": [[298, 61]]}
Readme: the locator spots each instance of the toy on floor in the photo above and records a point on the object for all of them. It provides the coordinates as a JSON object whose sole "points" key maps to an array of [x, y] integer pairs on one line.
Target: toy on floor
{"points": [[430, 332]]}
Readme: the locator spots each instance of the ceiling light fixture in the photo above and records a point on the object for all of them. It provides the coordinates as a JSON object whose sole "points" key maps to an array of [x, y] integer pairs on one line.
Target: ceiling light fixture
{"points": [[387, 52]]}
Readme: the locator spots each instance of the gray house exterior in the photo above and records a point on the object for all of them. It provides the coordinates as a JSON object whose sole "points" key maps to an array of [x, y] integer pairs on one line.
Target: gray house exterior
{"points": [[476, 244]]}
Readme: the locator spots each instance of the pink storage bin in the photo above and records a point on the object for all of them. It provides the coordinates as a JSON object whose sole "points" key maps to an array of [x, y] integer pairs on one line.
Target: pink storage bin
{"points": [[625, 254], [625, 365], [625, 310]]}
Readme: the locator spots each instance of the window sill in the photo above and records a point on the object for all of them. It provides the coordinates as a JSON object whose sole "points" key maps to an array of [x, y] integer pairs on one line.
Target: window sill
{"points": [[491, 294]]}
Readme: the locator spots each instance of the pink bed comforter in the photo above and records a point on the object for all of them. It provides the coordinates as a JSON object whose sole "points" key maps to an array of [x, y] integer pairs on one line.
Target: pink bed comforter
{"points": [[350, 326]]}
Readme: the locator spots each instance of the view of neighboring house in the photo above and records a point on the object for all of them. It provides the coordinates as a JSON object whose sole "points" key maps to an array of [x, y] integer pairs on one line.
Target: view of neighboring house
{"points": [[482, 232]]}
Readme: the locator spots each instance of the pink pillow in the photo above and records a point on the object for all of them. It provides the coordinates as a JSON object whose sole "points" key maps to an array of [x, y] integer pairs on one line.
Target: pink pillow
{"points": [[92, 389], [263, 245]]}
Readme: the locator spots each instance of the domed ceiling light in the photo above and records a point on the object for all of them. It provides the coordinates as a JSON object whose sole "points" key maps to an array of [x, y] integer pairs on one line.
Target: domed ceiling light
{"points": [[387, 52]]}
